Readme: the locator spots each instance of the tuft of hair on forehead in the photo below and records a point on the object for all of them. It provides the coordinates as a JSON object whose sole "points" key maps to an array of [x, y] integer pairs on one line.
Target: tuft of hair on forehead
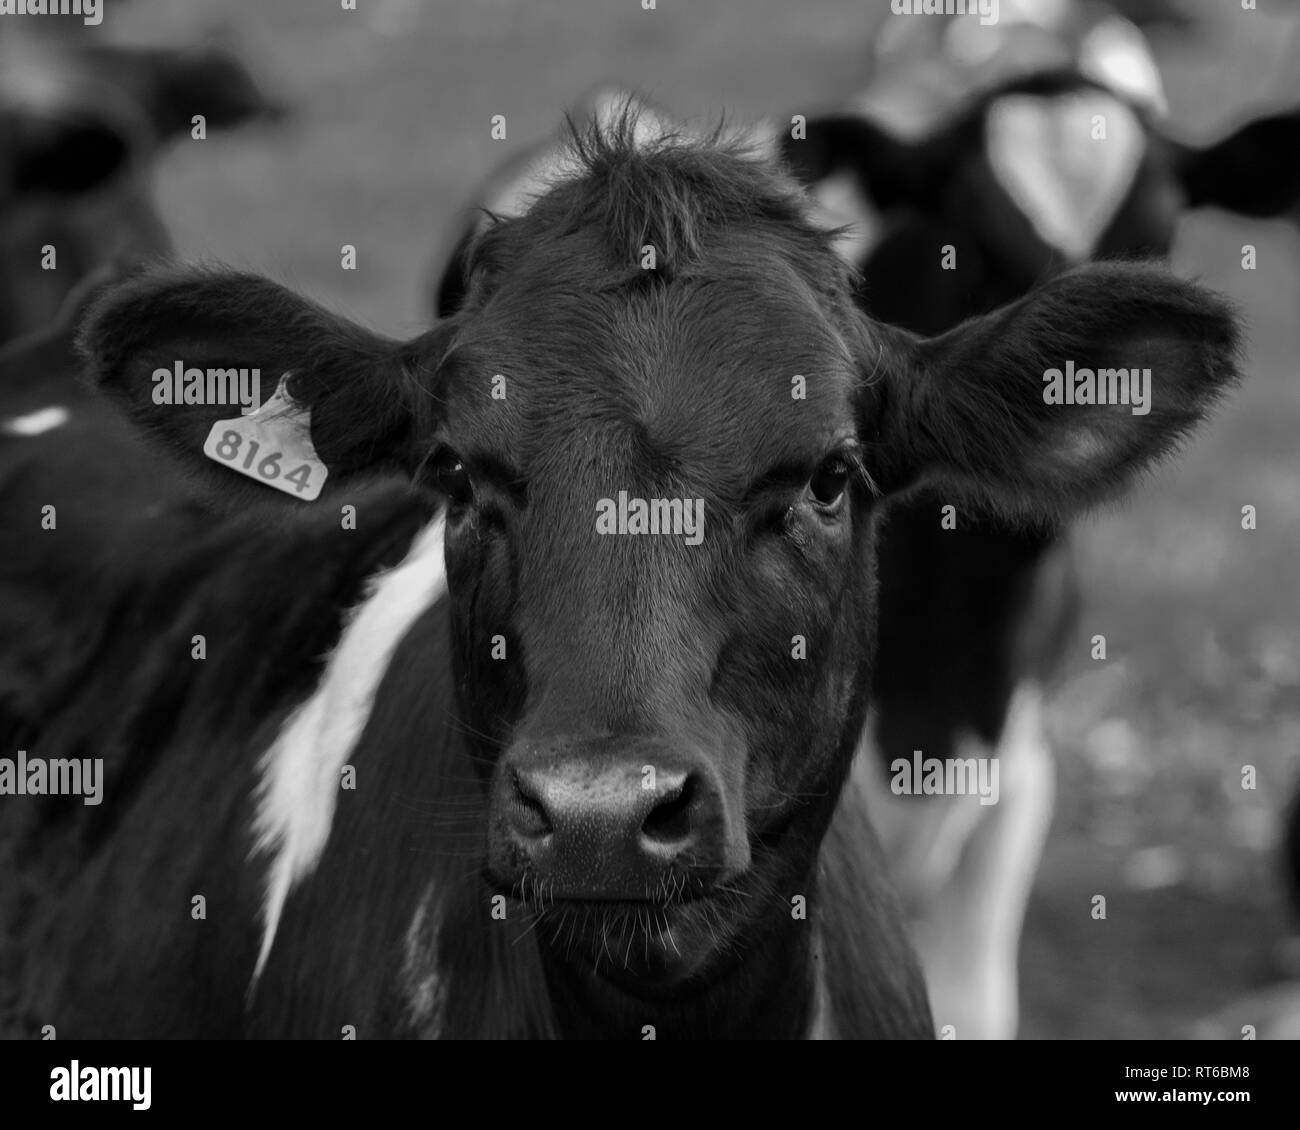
{"points": [[669, 189]]}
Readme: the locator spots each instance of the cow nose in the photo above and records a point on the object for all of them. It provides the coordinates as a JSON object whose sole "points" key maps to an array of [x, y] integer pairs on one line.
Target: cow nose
{"points": [[654, 814], [598, 825]]}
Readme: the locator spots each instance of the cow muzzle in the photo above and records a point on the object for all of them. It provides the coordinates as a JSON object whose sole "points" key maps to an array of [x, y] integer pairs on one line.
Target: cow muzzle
{"points": [[612, 819]]}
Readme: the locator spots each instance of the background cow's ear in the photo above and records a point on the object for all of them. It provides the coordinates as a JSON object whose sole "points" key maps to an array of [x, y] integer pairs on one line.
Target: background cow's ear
{"points": [[1254, 171], [889, 170], [174, 84], [66, 153], [974, 411], [353, 382]]}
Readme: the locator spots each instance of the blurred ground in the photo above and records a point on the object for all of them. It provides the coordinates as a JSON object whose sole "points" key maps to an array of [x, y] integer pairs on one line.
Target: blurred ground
{"points": [[1202, 619]]}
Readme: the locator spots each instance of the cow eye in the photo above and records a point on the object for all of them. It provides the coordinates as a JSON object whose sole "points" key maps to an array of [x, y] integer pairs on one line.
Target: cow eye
{"points": [[448, 475], [827, 486]]}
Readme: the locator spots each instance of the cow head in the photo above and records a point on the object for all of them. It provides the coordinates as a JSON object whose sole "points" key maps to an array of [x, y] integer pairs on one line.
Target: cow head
{"points": [[660, 431], [80, 125], [1044, 172]]}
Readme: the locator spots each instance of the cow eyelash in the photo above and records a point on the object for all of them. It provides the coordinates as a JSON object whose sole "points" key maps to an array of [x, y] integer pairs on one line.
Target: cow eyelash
{"points": [[830, 482], [834, 473], [493, 490]]}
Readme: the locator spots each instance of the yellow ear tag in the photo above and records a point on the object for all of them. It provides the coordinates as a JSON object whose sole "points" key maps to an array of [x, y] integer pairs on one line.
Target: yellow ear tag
{"points": [[272, 445]]}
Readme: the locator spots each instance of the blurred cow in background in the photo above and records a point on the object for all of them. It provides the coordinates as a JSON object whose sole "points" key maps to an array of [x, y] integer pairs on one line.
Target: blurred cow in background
{"points": [[966, 178], [81, 125], [925, 71]]}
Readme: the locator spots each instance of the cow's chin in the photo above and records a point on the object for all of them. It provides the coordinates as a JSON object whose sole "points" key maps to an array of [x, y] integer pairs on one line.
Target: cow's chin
{"points": [[645, 949]]}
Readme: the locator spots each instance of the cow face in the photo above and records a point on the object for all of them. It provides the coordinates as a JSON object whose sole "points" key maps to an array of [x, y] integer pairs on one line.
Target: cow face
{"points": [[1040, 174], [653, 678], [659, 480]]}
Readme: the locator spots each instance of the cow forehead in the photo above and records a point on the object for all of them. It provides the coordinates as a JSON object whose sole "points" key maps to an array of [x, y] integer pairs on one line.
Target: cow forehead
{"points": [[714, 378], [1067, 161]]}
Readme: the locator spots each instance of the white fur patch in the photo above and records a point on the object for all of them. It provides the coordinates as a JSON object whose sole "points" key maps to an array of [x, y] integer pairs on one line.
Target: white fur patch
{"points": [[300, 772], [840, 201], [36, 423], [923, 838], [965, 871], [1067, 182], [1116, 54]]}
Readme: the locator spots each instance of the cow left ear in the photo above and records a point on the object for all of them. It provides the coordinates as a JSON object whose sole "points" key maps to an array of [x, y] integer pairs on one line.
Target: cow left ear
{"points": [[1253, 172], [1055, 402], [152, 342]]}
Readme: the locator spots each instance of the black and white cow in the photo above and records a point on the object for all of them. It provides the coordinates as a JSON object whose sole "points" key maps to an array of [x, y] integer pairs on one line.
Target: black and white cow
{"points": [[514, 747], [81, 126], [1030, 179], [974, 620], [924, 72]]}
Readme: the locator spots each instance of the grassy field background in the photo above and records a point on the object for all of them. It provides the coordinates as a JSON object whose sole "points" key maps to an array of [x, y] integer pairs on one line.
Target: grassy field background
{"points": [[390, 136]]}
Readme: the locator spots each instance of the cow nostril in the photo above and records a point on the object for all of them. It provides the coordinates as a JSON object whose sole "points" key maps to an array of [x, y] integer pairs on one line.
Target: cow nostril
{"points": [[669, 821], [530, 817]]}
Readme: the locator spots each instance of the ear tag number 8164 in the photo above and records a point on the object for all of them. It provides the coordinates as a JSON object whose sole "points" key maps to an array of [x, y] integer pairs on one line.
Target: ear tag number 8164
{"points": [[272, 445]]}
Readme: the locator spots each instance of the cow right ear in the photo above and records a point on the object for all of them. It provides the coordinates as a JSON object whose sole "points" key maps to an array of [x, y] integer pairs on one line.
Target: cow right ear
{"points": [[1054, 403], [152, 343]]}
